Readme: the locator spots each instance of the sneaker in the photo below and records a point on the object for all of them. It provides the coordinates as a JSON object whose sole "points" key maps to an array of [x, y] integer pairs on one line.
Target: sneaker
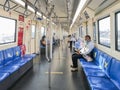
{"points": [[72, 66], [74, 69]]}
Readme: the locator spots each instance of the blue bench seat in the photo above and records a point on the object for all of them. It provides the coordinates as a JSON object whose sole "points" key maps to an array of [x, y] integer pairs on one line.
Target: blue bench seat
{"points": [[102, 83], [3, 76], [103, 72], [9, 68], [13, 65], [94, 72]]}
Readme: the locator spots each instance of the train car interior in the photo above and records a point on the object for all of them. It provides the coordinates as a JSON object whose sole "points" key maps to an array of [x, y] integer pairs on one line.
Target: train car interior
{"points": [[59, 44]]}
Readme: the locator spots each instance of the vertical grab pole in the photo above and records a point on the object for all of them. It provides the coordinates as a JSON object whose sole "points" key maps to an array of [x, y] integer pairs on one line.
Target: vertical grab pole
{"points": [[49, 38]]}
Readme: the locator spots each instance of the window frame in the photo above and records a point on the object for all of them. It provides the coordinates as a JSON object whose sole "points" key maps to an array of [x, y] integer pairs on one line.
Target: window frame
{"points": [[94, 32], [99, 32], [116, 32], [15, 30]]}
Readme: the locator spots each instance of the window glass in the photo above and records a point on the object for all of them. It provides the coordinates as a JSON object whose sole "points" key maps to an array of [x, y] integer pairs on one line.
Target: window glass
{"points": [[43, 31], [33, 31], [104, 31], [7, 30]]}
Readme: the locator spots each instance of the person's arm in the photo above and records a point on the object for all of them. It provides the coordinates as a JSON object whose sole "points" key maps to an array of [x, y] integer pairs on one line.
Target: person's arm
{"points": [[88, 49], [44, 42]]}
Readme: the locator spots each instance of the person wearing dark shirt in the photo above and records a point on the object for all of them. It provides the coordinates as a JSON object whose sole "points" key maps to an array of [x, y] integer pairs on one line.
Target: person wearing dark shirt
{"points": [[43, 41]]}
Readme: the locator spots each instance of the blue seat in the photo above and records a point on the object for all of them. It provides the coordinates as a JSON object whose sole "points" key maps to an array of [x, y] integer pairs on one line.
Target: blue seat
{"points": [[102, 83], [104, 67], [96, 60], [29, 56], [114, 72], [17, 52], [8, 56], [102, 73], [94, 72], [1, 59], [13, 65], [3, 76], [9, 68]]}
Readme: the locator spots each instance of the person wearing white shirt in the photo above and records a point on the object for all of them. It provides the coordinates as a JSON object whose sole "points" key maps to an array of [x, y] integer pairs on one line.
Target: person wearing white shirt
{"points": [[82, 53], [78, 44]]}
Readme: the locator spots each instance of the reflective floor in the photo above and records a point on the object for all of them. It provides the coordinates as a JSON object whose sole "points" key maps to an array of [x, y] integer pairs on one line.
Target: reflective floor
{"points": [[61, 76]]}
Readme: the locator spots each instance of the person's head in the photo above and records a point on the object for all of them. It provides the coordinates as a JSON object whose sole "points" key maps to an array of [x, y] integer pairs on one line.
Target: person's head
{"points": [[43, 37], [87, 38]]}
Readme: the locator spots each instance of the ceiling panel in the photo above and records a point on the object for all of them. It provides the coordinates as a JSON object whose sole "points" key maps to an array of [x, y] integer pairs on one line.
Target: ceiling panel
{"points": [[98, 5], [95, 3]]}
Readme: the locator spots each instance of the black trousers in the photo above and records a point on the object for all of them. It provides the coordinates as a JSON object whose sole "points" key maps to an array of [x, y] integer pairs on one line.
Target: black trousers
{"points": [[75, 57]]}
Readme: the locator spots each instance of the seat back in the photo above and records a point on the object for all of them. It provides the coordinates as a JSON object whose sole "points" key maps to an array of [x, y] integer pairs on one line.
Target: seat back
{"points": [[17, 52], [8, 55], [115, 72], [100, 58], [1, 58], [106, 64], [96, 55]]}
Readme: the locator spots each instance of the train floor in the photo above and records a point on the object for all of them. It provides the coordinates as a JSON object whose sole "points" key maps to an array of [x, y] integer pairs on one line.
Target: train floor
{"points": [[61, 76]]}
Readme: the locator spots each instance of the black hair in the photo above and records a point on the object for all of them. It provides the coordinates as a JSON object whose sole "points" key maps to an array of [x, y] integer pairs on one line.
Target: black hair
{"points": [[88, 36], [43, 37]]}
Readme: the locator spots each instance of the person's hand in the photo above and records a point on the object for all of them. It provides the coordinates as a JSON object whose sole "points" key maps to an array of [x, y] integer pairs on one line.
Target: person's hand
{"points": [[78, 52]]}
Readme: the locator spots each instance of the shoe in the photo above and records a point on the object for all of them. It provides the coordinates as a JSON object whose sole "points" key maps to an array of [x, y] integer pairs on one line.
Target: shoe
{"points": [[71, 66], [74, 69]]}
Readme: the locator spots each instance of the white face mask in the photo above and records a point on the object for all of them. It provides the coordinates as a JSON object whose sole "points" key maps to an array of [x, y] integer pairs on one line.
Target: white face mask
{"points": [[86, 42]]}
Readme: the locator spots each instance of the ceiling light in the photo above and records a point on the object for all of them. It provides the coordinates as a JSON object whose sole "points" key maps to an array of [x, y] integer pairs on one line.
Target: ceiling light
{"points": [[20, 2], [79, 8], [44, 17], [39, 14], [23, 4], [31, 9]]}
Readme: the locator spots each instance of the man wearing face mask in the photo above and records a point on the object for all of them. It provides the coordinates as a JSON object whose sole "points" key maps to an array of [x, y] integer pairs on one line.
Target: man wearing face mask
{"points": [[85, 52]]}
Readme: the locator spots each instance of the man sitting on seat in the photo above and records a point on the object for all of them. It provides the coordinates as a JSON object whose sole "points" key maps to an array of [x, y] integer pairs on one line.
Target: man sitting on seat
{"points": [[83, 53]]}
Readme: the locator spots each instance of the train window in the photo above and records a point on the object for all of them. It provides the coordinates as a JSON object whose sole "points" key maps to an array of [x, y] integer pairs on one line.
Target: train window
{"points": [[117, 31], [33, 31], [7, 30], [43, 31], [104, 31]]}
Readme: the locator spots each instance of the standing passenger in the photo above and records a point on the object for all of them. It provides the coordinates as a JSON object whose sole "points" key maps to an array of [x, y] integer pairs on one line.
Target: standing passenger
{"points": [[43, 41]]}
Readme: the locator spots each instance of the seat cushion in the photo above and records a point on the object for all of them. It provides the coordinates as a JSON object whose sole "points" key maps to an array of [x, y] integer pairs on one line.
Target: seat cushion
{"points": [[29, 55], [94, 72], [3, 76], [103, 83], [9, 68], [19, 62], [92, 64], [98, 88]]}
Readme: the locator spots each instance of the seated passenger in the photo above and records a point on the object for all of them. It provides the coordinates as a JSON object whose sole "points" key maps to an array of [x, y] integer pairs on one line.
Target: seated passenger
{"points": [[43, 41], [78, 44], [85, 51]]}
